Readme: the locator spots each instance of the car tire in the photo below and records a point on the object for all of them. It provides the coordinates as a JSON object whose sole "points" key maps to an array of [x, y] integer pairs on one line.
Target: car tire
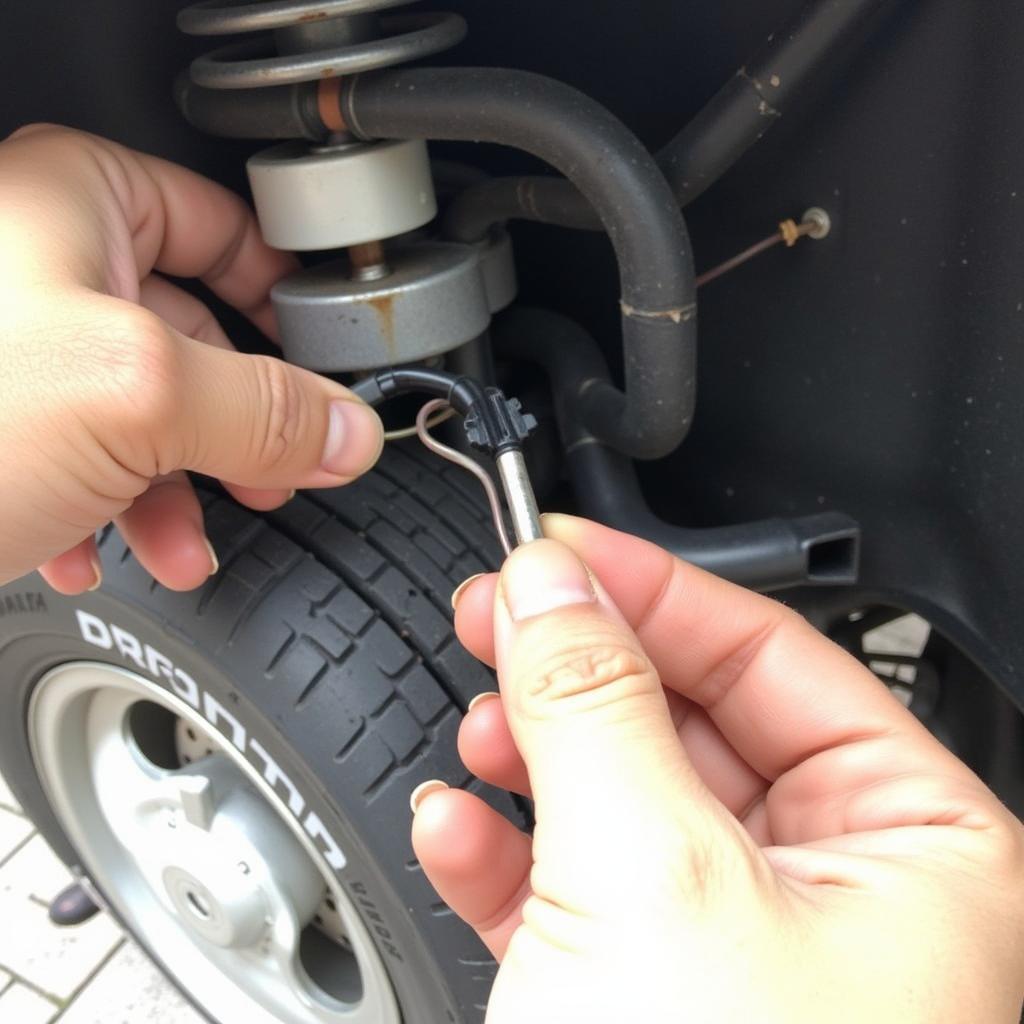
{"points": [[320, 661]]}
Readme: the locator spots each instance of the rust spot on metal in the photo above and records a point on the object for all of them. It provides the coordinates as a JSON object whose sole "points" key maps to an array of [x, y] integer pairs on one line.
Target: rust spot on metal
{"points": [[314, 16], [328, 73], [385, 310], [328, 103]]}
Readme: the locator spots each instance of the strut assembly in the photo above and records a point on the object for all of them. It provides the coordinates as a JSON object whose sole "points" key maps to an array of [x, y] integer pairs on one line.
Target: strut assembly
{"points": [[352, 173]]}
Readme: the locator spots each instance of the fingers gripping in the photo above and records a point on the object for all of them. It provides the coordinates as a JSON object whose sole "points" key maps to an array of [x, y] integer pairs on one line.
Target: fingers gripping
{"points": [[478, 862], [588, 714]]}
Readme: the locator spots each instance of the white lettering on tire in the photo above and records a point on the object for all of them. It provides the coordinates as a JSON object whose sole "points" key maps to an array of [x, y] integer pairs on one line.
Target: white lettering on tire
{"points": [[109, 637]]}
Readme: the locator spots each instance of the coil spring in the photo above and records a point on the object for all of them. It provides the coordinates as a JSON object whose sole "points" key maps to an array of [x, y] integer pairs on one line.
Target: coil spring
{"points": [[315, 39]]}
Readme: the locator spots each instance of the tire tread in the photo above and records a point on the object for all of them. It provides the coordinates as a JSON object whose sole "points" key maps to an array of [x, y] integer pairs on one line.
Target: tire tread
{"points": [[340, 603]]}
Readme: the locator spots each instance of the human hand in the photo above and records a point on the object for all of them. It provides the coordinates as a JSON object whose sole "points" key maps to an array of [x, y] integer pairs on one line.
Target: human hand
{"points": [[735, 821], [113, 381]]}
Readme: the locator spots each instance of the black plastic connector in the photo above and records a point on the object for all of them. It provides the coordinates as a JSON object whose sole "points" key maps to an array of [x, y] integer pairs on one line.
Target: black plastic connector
{"points": [[493, 423], [496, 424]]}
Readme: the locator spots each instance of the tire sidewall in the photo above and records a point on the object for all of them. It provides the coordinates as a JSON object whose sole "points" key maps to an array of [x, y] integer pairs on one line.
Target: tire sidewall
{"points": [[40, 631]]}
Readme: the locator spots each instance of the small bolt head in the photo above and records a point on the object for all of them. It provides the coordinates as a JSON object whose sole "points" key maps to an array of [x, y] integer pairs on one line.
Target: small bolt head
{"points": [[821, 220]]}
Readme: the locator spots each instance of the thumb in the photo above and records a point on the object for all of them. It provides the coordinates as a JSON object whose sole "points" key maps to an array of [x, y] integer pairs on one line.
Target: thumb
{"points": [[259, 422], [610, 778]]}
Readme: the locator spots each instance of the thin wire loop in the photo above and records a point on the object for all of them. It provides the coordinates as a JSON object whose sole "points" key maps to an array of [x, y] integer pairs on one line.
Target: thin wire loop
{"points": [[464, 462], [413, 431]]}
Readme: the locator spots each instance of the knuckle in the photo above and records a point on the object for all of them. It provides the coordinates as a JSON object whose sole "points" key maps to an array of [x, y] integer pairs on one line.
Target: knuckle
{"points": [[39, 128], [550, 925], [713, 866], [128, 371], [594, 671], [139, 358], [286, 414], [695, 868], [114, 370], [1009, 848]]}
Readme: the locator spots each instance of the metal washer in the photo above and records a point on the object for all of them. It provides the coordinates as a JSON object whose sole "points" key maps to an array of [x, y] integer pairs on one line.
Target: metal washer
{"points": [[309, 199], [433, 301]]}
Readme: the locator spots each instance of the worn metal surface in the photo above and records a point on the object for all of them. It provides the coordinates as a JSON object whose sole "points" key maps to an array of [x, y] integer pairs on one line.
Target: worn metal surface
{"points": [[312, 40], [216, 18], [433, 301], [312, 199], [498, 266], [522, 502]]}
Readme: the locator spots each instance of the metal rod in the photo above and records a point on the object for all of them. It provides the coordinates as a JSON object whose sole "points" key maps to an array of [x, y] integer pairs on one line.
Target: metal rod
{"points": [[522, 503], [369, 262]]}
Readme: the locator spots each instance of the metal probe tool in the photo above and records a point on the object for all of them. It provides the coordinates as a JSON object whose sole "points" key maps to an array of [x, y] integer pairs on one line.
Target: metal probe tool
{"points": [[515, 482]]}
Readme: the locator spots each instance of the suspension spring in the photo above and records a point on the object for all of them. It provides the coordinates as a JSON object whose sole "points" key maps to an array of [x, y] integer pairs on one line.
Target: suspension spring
{"points": [[311, 40]]}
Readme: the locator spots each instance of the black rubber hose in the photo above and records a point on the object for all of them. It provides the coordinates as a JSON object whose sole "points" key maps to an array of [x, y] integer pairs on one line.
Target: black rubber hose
{"points": [[750, 103], [821, 36], [474, 213], [772, 554], [277, 112], [461, 393], [608, 165]]}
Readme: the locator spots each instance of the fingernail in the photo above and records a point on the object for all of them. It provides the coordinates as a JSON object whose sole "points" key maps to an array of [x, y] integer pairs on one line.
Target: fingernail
{"points": [[98, 572], [214, 563], [423, 790], [291, 494], [463, 587], [355, 438], [482, 698], [543, 576]]}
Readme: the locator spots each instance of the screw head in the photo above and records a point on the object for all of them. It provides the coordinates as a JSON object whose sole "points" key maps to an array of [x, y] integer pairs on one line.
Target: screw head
{"points": [[821, 220]]}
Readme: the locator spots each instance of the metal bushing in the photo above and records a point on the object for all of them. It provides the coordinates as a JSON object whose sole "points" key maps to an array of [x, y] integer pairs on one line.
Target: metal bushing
{"points": [[310, 199], [433, 301]]}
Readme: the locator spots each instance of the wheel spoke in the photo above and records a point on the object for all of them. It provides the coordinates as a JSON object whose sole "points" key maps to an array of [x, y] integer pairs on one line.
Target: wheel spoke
{"points": [[204, 862], [283, 954], [129, 791], [195, 796]]}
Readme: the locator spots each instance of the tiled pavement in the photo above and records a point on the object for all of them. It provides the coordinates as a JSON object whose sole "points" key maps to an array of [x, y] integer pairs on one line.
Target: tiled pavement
{"points": [[86, 975]]}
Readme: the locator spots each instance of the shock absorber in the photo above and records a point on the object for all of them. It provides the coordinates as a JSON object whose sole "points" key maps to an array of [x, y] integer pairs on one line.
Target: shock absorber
{"points": [[395, 297], [312, 39]]}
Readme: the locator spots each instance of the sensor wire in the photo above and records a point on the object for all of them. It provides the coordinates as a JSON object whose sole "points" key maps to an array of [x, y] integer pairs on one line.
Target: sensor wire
{"points": [[789, 232], [406, 432], [423, 427]]}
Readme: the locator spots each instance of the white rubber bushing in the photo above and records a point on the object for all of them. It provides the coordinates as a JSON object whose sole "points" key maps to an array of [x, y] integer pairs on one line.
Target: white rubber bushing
{"points": [[309, 199]]}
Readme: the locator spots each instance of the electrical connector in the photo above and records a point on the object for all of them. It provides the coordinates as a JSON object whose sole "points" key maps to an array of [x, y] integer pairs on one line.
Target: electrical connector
{"points": [[495, 424]]}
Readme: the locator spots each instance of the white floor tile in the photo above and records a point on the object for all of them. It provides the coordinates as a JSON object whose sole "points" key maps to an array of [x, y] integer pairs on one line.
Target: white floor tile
{"points": [[35, 870], [20, 1005], [130, 990], [55, 960]]}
